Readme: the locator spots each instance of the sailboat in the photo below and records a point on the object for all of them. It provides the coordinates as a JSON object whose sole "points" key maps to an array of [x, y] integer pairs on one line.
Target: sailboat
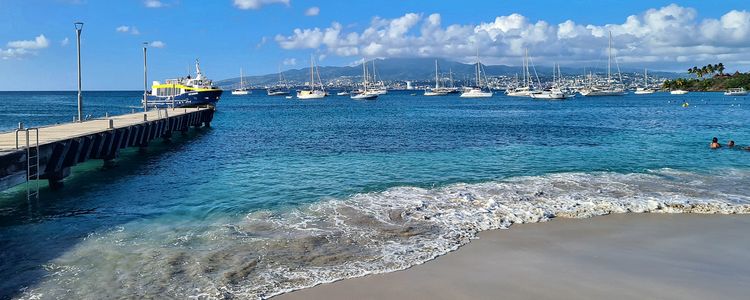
{"points": [[525, 90], [364, 93], [609, 89], [452, 89], [477, 91], [281, 89], [312, 93], [378, 87], [242, 90], [555, 92], [645, 89], [437, 90]]}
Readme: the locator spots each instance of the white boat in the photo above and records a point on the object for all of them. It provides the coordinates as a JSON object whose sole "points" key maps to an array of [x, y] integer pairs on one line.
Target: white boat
{"points": [[609, 89], [477, 91], [242, 90], [364, 94], [645, 89], [678, 92], [525, 90], [552, 94], [342, 93], [736, 92], [378, 86], [437, 90], [312, 93]]}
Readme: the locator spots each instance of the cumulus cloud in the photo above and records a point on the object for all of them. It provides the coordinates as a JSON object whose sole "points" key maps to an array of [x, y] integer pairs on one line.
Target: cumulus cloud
{"points": [[257, 4], [667, 35], [312, 11], [65, 42], [290, 62], [18, 49], [157, 44], [128, 29], [153, 3]]}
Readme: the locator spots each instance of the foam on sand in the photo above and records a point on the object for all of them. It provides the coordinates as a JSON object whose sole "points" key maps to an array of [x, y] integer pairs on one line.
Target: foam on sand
{"points": [[272, 252]]}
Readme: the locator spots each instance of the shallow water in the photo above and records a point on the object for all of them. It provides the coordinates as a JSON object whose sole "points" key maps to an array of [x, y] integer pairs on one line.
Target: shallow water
{"points": [[281, 194]]}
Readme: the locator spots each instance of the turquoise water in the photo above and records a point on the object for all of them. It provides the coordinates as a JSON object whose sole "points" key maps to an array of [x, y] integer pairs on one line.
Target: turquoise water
{"points": [[281, 194]]}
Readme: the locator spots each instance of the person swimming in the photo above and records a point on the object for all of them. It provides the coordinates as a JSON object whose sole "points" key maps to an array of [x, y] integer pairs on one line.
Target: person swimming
{"points": [[715, 143], [730, 144]]}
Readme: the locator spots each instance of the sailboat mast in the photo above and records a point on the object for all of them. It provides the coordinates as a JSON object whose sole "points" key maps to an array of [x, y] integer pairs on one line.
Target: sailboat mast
{"points": [[242, 79], [645, 78], [436, 76], [312, 78], [479, 80], [364, 75], [609, 61]]}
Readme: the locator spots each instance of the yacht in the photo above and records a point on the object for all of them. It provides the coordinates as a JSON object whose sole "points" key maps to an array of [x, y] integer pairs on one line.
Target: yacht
{"points": [[378, 86], [342, 93], [311, 92], [477, 91], [525, 90], [183, 92], [364, 93], [645, 89], [242, 90], [437, 90], [554, 93], [678, 92], [609, 89], [281, 89], [736, 92]]}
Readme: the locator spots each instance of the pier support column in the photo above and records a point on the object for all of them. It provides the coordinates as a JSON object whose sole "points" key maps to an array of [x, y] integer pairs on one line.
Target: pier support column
{"points": [[55, 179]]}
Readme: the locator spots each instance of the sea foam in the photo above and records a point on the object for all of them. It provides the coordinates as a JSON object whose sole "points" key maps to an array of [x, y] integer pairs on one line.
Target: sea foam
{"points": [[272, 252]]}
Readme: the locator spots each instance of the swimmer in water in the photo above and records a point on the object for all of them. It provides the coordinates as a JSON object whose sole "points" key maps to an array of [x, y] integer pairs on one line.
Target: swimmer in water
{"points": [[730, 144], [715, 143]]}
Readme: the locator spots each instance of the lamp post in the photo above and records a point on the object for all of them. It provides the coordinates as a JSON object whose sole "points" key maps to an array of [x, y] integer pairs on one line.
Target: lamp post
{"points": [[145, 78], [79, 27]]}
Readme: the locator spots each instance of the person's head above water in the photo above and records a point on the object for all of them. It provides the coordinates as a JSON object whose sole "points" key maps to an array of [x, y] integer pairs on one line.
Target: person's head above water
{"points": [[731, 143], [715, 140]]}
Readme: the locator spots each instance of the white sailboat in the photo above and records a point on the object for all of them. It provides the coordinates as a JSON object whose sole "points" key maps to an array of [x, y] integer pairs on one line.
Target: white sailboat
{"points": [[525, 90], [242, 90], [736, 92], [678, 92], [555, 92], [312, 93], [378, 87], [645, 89], [477, 91], [436, 91], [364, 93], [608, 89]]}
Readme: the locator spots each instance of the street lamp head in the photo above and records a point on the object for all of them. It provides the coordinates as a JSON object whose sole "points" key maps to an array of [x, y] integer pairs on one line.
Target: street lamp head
{"points": [[145, 44], [79, 25]]}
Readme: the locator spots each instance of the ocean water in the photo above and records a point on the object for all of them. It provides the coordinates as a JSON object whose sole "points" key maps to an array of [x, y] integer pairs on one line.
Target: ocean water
{"points": [[281, 194]]}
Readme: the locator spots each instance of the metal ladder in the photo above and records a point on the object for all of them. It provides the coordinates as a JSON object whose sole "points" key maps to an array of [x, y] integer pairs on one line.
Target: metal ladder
{"points": [[32, 162]]}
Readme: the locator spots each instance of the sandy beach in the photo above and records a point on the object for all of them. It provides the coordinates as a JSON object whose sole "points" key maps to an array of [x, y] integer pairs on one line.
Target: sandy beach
{"points": [[626, 256]]}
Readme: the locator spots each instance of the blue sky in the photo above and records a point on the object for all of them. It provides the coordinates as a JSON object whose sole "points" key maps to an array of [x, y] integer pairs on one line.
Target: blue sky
{"points": [[37, 38]]}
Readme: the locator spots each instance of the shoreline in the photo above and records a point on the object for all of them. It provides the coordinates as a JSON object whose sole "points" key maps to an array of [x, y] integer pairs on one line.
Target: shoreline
{"points": [[635, 255]]}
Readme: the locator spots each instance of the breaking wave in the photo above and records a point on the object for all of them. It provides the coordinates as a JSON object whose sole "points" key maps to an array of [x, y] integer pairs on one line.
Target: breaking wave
{"points": [[272, 252]]}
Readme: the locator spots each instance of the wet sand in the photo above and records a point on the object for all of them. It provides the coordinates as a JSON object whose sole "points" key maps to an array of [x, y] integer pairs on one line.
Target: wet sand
{"points": [[626, 256]]}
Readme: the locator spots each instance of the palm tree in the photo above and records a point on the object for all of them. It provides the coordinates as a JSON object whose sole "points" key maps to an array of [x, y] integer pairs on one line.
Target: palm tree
{"points": [[720, 67], [710, 68]]}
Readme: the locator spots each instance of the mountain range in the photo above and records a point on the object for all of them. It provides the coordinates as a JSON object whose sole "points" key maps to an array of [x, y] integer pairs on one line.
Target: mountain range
{"points": [[416, 69]]}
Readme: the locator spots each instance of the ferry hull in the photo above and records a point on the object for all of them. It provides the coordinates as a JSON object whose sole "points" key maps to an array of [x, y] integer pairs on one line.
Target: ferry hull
{"points": [[189, 99]]}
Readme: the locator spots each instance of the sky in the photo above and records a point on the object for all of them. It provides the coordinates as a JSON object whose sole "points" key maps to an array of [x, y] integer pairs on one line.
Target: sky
{"points": [[38, 40]]}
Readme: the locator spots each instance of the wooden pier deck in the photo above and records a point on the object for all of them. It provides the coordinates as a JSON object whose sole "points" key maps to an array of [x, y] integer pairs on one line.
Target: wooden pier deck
{"points": [[64, 145]]}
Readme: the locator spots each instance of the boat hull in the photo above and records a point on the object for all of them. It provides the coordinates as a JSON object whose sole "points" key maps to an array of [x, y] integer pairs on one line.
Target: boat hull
{"points": [[189, 99]]}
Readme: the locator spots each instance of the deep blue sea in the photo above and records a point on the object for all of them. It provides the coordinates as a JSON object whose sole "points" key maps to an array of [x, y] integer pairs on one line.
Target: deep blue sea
{"points": [[281, 194]]}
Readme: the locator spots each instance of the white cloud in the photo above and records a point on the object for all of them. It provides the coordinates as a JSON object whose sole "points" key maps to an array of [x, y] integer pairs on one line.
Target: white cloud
{"points": [[128, 29], [18, 49], [65, 42], [290, 62], [157, 44], [312, 11], [153, 3], [665, 35], [257, 4]]}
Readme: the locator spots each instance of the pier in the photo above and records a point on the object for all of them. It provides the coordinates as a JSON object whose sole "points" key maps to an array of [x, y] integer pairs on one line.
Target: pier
{"points": [[48, 152]]}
